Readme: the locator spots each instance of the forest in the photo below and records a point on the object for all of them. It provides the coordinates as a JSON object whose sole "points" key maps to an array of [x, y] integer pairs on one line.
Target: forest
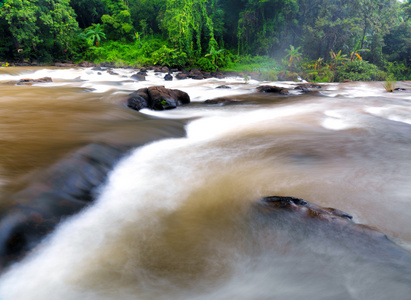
{"points": [[327, 40]]}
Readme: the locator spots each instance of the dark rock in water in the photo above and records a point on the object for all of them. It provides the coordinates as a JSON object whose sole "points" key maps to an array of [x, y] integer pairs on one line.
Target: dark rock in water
{"points": [[157, 98], [272, 89], [67, 187], [138, 99], [168, 77], [195, 74], [138, 76], [182, 97], [221, 101], [219, 75], [302, 86], [307, 87], [162, 98], [165, 70], [223, 87], [181, 76], [29, 81], [331, 228], [107, 64], [64, 65], [161, 69], [111, 72], [86, 64], [292, 203]]}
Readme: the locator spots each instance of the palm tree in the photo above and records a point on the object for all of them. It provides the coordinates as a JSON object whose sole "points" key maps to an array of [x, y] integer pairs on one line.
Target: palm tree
{"points": [[354, 53], [336, 59], [95, 34], [293, 56]]}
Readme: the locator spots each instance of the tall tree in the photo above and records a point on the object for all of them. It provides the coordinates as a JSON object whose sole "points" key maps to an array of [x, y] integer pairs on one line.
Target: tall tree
{"points": [[189, 25], [89, 11], [265, 25], [40, 29]]}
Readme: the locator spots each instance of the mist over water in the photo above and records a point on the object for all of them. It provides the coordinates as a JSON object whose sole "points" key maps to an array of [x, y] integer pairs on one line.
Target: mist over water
{"points": [[180, 218]]}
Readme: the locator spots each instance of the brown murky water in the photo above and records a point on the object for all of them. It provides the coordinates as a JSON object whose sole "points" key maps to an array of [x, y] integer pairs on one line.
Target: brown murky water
{"points": [[174, 220]]}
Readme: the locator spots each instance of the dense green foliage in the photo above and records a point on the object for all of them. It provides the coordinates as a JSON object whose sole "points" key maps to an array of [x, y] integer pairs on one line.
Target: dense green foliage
{"points": [[315, 37], [37, 28], [359, 70]]}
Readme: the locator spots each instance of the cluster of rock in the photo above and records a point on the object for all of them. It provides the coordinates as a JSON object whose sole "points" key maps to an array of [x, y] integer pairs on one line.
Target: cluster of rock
{"points": [[303, 87], [29, 81], [157, 98], [182, 74], [272, 89]]}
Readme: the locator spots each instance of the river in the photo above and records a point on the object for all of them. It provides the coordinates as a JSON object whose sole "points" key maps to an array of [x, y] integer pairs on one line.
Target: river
{"points": [[175, 218]]}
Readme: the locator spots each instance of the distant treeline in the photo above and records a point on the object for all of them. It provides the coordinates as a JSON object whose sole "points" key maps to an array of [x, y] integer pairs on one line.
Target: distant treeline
{"points": [[204, 31]]}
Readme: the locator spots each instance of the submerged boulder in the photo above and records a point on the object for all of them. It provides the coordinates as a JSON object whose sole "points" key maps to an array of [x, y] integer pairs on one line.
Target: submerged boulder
{"points": [[65, 189], [195, 74], [222, 101], [157, 98], [29, 81], [333, 226], [307, 87], [140, 76], [181, 76], [138, 99], [272, 89], [168, 77]]}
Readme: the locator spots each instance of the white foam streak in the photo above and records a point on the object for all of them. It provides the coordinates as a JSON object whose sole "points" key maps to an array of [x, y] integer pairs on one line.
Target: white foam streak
{"points": [[138, 189]]}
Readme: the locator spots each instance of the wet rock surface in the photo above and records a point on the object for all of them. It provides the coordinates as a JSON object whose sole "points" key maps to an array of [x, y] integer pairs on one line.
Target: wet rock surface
{"points": [[157, 98], [272, 89], [65, 189], [335, 227], [29, 81], [222, 101]]}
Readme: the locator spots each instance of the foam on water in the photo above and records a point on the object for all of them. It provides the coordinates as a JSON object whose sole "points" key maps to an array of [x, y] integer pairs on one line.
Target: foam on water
{"points": [[176, 221]]}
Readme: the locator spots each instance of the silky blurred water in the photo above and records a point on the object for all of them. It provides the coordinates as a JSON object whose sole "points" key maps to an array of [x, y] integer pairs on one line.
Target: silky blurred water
{"points": [[177, 218]]}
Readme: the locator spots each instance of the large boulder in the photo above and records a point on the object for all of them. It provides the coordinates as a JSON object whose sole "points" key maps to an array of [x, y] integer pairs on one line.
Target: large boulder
{"points": [[195, 74], [157, 98], [140, 76], [138, 99], [30, 81], [64, 189], [272, 89], [181, 76], [330, 228], [168, 77], [307, 87]]}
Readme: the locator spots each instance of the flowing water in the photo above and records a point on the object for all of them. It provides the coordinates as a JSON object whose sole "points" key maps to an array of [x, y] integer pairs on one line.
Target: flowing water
{"points": [[177, 218]]}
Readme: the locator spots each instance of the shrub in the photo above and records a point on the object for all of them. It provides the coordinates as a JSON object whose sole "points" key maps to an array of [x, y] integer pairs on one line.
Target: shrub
{"points": [[389, 84], [269, 75], [205, 64], [359, 70], [248, 63], [169, 57], [398, 70]]}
